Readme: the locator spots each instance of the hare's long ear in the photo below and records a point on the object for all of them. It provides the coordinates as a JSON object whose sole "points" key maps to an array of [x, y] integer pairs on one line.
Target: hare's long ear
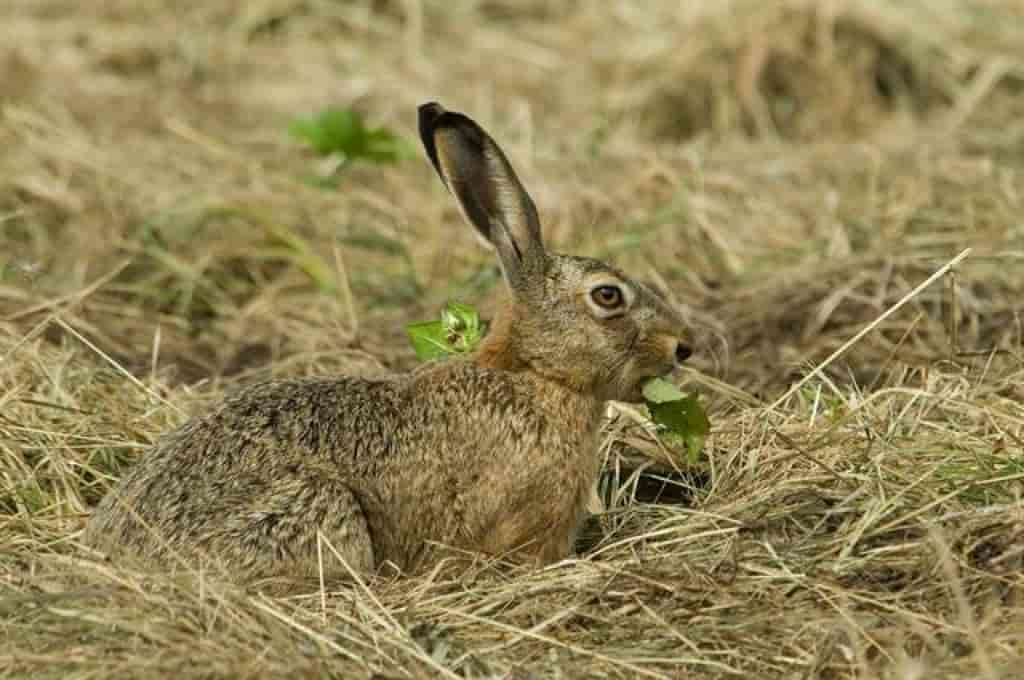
{"points": [[477, 173]]}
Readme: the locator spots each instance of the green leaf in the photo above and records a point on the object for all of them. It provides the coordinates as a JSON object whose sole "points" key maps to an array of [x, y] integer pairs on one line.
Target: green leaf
{"points": [[344, 132], [659, 391], [429, 340], [680, 417], [457, 332], [463, 324]]}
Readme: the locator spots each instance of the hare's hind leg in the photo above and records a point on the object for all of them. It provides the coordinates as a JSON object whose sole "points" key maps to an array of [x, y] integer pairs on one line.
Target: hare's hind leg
{"points": [[345, 533], [301, 526]]}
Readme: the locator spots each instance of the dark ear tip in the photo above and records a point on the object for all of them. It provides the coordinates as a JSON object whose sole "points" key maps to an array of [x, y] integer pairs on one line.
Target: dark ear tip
{"points": [[434, 117], [428, 114]]}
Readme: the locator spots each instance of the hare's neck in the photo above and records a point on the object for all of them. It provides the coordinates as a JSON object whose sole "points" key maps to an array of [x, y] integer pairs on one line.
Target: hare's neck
{"points": [[503, 349], [500, 347]]}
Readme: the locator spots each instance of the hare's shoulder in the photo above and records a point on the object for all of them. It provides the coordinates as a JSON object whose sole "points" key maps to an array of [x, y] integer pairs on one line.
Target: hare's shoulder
{"points": [[463, 388], [465, 380]]}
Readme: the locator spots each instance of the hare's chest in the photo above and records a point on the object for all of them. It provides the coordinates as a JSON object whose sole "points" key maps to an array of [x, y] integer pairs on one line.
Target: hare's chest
{"points": [[537, 501], [512, 476], [515, 507]]}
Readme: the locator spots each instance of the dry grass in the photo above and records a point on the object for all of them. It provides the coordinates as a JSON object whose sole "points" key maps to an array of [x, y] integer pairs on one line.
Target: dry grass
{"points": [[788, 170]]}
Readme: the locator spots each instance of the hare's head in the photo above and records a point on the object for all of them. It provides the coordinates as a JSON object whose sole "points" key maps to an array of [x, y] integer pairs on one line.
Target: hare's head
{"points": [[575, 320]]}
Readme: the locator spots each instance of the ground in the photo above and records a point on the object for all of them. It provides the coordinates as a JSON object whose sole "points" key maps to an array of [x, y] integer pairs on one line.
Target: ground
{"points": [[791, 172]]}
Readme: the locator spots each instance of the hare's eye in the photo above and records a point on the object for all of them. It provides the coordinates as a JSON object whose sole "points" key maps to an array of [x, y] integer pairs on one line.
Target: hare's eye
{"points": [[608, 297]]}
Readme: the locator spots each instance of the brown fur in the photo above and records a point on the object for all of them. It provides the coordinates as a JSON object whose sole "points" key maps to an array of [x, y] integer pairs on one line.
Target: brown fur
{"points": [[494, 453]]}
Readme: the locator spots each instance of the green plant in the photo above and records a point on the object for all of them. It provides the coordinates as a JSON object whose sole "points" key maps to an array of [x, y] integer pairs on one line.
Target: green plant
{"points": [[680, 417], [344, 133], [459, 330]]}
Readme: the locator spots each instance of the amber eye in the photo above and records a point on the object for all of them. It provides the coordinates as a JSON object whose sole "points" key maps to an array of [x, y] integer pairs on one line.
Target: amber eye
{"points": [[608, 297]]}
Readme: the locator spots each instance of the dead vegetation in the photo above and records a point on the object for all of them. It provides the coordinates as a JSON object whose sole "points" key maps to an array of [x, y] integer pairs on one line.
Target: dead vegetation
{"points": [[789, 171]]}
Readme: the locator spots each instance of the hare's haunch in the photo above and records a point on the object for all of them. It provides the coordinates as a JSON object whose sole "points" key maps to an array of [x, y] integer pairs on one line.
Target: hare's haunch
{"points": [[493, 453]]}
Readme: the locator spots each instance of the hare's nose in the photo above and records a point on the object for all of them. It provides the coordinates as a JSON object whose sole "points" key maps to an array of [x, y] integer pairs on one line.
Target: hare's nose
{"points": [[683, 353]]}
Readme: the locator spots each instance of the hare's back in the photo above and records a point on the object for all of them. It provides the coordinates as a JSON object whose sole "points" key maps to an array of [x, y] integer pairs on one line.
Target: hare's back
{"points": [[243, 457], [276, 425]]}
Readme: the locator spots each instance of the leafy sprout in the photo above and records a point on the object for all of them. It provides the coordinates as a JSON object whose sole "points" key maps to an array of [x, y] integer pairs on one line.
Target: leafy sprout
{"points": [[458, 331], [680, 417], [344, 133]]}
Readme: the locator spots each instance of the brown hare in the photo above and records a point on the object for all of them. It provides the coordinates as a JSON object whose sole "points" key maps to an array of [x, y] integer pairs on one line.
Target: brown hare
{"points": [[494, 452]]}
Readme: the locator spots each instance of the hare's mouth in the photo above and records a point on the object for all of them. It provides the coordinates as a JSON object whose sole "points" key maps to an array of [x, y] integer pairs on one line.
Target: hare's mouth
{"points": [[664, 371], [637, 393]]}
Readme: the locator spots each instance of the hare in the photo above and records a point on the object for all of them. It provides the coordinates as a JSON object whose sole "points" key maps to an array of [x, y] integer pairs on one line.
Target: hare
{"points": [[493, 453]]}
